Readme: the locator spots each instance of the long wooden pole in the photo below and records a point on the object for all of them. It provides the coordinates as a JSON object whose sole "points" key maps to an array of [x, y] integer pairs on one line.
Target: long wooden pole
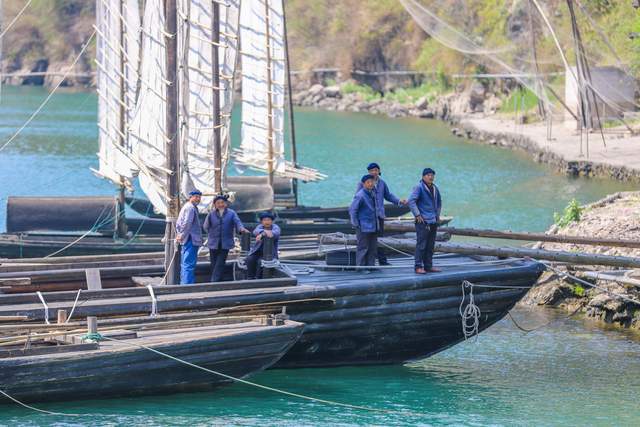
{"points": [[270, 160], [506, 252], [215, 65], [171, 146], [121, 223], [540, 237], [292, 125]]}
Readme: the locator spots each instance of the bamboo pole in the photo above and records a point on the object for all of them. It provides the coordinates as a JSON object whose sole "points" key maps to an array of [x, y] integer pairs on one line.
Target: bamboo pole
{"points": [[215, 65], [270, 160], [171, 146], [507, 252], [541, 237], [292, 126], [121, 223]]}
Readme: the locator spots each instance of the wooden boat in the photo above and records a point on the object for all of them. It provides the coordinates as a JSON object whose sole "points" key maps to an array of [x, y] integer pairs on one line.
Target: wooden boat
{"points": [[59, 370], [387, 316]]}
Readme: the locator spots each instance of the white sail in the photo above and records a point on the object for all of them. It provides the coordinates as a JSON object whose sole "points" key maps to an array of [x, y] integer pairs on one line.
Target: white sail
{"points": [[197, 91], [148, 127], [116, 62], [263, 79]]}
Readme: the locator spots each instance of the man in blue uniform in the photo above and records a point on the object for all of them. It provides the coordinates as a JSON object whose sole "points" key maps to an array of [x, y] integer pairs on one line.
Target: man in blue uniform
{"points": [[425, 203], [189, 235], [382, 193], [266, 229], [221, 224], [364, 217]]}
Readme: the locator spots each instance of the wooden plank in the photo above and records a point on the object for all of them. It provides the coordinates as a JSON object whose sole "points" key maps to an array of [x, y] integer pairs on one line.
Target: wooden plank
{"points": [[541, 237], [15, 281], [13, 318], [49, 349], [93, 279]]}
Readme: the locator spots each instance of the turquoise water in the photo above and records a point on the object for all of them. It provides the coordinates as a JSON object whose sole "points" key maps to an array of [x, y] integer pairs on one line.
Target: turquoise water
{"points": [[482, 186], [568, 373]]}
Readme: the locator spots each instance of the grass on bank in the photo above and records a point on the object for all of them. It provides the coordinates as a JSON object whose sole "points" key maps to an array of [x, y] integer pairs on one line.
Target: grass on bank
{"points": [[431, 89]]}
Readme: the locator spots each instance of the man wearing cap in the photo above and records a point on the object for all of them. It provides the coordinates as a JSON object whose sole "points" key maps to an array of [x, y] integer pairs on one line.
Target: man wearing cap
{"points": [[425, 203], [189, 235], [266, 229], [364, 217], [381, 192], [221, 224]]}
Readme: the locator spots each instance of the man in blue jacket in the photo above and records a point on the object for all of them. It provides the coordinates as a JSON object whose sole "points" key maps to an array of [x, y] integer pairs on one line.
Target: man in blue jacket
{"points": [[266, 229], [382, 193], [221, 224], [364, 217], [425, 203], [189, 235]]}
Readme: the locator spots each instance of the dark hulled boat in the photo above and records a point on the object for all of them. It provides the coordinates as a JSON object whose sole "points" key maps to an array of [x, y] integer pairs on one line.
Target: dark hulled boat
{"points": [[388, 316], [122, 368]]}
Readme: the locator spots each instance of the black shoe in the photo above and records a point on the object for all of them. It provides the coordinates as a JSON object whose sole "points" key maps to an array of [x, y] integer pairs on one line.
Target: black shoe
{"points": [[385, 262]]}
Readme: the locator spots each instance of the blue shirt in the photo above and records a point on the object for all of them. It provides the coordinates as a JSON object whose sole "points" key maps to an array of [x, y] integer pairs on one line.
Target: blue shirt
{"points": [[363, 211], [221, 229], [382, 193], [423, 203], [188, 225], [258, 244]]}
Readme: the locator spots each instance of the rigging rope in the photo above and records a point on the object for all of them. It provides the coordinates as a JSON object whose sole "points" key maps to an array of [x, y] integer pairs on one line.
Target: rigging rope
{"points": [[13, 21], [46, 100]]}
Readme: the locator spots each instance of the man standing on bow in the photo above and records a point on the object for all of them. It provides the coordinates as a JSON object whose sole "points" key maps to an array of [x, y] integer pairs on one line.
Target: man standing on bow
{"points": [[425, 203], [189, 235], [265, 230], [382, 193], [221, 224], [364, 217]]}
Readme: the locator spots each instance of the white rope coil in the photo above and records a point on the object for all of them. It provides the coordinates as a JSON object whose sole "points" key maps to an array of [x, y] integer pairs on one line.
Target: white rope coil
{"points": [[470, 314], [46, 307]]}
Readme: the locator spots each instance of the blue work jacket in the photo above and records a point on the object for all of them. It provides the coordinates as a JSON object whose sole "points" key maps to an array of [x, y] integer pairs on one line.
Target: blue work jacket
{"points": [[257, 245], [363, 211], [222, 229], [422, 203], [188, 225], [382, 193]]}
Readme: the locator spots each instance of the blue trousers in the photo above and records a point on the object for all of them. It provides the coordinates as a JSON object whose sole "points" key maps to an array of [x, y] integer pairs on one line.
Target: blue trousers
{"points": [[425, 244], [367, 248], [188, 262]]}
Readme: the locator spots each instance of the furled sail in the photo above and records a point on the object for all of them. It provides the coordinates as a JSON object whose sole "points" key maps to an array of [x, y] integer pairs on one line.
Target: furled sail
{"points": [[117, 57], [263, 79], [197, 90], [148, 126], [262, 45]]}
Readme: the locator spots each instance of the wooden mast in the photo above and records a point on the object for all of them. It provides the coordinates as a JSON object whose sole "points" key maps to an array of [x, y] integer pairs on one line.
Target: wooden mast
{"points": [[121, 223], [171, 144], [270, 160], [215, 65], [292, 126]]}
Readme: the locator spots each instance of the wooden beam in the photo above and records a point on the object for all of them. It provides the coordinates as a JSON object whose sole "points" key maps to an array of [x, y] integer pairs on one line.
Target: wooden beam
{"points": [[511, 252], [541, 237]]}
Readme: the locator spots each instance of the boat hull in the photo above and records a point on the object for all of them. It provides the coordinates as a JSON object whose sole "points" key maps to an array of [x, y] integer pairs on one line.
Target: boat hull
{"points": [[117, 369]]}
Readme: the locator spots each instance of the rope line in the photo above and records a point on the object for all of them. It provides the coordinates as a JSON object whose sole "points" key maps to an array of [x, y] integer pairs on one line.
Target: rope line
{"points": [[33, 408], [46, 100], [13, 21]]}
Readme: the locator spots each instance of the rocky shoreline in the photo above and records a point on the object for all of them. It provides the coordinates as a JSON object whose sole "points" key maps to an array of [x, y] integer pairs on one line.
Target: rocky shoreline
{"points": [[614, 217]]}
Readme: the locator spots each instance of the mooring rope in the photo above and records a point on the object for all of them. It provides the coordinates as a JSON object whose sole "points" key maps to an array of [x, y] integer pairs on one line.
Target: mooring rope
{"points": [[33, 408], [261, 386]]}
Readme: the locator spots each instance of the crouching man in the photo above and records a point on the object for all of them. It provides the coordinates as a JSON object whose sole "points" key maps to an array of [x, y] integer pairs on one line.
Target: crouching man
{"points": [[266, 229]]}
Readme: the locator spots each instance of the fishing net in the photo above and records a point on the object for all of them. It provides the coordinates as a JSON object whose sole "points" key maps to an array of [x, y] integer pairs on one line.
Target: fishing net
{"points": [[578, 57]]}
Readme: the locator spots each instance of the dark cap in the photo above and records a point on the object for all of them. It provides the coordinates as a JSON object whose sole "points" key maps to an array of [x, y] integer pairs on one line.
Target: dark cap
{"points": [[264, 215], [427, 171], [195, 193], [373, 165], [367, 177]]}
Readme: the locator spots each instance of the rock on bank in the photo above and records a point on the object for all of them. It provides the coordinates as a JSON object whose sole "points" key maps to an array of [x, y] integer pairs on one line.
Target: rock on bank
{"points": [[614, 217]]}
